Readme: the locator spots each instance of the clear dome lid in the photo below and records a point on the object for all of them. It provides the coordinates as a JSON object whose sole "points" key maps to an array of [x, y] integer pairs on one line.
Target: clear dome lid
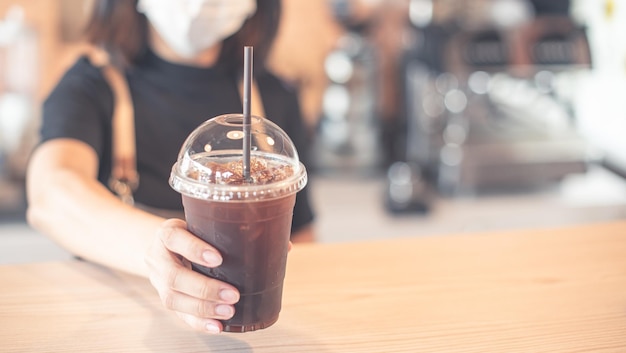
{"points": [[210, 162]]}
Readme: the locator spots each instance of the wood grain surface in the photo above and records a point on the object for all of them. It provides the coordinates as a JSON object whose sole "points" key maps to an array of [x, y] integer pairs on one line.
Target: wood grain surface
{"points": [[553, 290]]}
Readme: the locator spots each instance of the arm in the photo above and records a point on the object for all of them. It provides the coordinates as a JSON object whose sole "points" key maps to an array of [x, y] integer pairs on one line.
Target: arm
{"points": [[68, 204]]}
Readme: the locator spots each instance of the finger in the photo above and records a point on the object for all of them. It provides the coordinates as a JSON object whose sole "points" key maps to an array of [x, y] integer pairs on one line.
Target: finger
{"points": [[161, 261], [204, 325], [205, 309], [174, 235], [184, 280]]}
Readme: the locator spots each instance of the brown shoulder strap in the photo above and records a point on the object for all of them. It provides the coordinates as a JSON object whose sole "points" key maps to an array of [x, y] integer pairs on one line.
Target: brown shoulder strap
{"points": [[124, 177]]}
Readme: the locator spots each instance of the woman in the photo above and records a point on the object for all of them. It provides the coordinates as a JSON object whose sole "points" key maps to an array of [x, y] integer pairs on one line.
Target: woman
{"points": [[182, 61]]}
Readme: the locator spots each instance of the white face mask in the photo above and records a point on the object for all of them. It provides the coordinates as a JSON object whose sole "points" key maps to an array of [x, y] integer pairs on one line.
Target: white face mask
{"points": [[191, 26]]}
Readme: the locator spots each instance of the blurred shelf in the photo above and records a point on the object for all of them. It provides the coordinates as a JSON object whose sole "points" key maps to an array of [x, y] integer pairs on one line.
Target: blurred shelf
{"points": [[352, 209]]}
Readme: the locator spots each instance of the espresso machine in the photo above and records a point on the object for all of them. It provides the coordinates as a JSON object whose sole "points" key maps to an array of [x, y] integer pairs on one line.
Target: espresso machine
{"points": [[487, 89], [347, 136]]}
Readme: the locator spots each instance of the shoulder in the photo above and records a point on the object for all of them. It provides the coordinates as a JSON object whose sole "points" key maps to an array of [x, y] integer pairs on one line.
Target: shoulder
{"points": [[83, 70], [82, 94], [81, 78], [83, 66], [79, 107], [82, 85]]}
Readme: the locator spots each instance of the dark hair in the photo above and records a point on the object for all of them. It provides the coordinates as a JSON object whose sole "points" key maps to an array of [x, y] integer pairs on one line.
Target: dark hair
{"points": [[118, 27]]}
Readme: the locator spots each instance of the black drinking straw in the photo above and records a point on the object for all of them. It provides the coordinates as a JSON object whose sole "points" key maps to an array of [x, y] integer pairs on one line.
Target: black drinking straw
{"points": [[247, 119]]}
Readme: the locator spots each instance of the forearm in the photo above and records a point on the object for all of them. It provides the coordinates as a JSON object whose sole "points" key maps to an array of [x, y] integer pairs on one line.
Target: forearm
{"points": [[84, 218]]}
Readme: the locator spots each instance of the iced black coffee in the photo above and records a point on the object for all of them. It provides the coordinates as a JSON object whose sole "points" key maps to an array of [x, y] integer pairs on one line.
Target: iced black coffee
{"points": [[247, 219]]}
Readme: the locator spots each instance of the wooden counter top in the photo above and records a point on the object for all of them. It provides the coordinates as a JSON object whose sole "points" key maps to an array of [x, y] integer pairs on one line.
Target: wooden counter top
{"points": [[557, 290]]}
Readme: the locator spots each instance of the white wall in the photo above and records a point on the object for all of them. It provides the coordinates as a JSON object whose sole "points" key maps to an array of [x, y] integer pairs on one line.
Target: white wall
{"points": [[601, 98]]}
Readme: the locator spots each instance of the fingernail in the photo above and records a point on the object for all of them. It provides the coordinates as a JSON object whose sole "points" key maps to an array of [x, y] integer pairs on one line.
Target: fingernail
{"points": [[224, 310], [212, 328], [229, 295], [211, 258]]}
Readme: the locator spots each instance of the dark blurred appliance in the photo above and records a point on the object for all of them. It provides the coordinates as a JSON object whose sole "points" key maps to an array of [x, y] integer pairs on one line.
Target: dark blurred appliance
{"points": [[347, 138], [406, 189], [486, 97]]}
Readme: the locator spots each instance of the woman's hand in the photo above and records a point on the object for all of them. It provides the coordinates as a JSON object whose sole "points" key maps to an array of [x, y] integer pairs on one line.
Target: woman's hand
{"points": [[198, 300]]}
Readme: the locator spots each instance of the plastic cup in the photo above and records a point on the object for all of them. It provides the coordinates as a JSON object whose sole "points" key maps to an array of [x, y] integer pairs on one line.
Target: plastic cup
{"points": [[248, 221]]}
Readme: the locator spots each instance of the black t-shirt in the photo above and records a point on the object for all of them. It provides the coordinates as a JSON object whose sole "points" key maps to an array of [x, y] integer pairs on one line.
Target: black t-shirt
{"points": [[170, 101]]}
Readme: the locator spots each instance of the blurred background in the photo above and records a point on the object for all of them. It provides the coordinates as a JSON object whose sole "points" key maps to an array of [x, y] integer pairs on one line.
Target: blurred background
{"points": [[425, 117]]}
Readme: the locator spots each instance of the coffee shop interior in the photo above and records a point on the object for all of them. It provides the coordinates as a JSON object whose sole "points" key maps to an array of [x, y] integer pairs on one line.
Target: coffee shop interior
{"points": [[425, 117]]}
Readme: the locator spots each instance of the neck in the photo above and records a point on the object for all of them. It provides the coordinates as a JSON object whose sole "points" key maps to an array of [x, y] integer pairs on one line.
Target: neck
{"points": [[206, 58]]}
